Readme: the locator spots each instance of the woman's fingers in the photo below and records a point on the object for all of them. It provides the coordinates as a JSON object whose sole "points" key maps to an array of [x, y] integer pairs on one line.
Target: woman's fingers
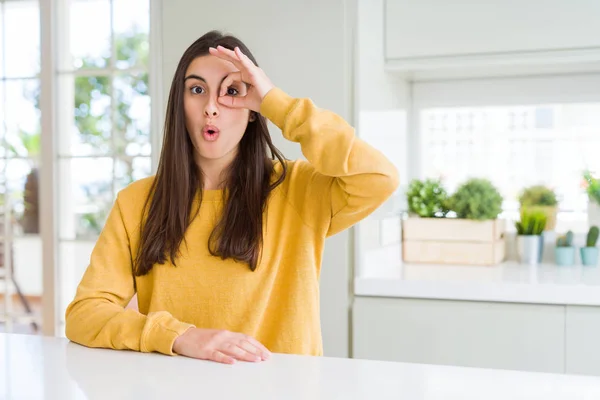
{"points": [[239, 353], [227, 55], [264, 352], [234, 81], [221, 357], [247, 62]]}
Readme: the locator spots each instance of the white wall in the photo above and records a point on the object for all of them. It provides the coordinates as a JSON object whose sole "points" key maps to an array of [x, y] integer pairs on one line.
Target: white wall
{"points": [[306, 49], [382, 101]]}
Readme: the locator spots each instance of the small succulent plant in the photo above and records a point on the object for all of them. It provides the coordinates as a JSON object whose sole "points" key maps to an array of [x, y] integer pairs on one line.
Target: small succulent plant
{"points": [[565, 240], [592, 237]]}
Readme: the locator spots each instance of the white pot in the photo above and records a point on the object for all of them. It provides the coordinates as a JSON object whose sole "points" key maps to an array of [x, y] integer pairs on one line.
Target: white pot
{"points": [[528, 249], [593, 213]]}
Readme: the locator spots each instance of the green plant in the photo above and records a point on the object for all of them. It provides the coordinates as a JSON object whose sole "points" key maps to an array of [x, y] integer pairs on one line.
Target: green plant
{"points": [[477, 199], [592, 237], [427, 198], [531, 223], [537, 195], [565, 240], [592, 187]]}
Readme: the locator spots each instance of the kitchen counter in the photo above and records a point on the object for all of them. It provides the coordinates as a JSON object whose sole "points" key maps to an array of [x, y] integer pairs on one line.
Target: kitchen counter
{"points": [[35, 367], [508, 282]]}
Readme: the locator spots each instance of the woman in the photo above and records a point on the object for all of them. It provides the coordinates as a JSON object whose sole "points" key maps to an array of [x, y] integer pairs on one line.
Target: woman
{"points": [[224, 245]]}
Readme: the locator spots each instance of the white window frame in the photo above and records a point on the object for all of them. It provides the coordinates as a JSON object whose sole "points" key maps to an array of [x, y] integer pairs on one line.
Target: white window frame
{"points": [[505, 91], [49, 76]]}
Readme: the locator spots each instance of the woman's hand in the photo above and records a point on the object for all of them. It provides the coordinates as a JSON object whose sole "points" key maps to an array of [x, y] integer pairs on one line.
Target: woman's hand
{"points": [[253, 83], [220, 346]]}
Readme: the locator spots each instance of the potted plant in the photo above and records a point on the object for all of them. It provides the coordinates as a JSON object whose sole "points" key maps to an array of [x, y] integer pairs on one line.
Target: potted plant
{"points": [[427, 198], [592, 187], [529, 235], [475, 237], [589, 253], [542, 198], [476, 199], [565, 251]]}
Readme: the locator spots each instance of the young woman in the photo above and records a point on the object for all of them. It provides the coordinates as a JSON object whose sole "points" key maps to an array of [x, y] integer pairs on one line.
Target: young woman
{"points": [[223, 246]]}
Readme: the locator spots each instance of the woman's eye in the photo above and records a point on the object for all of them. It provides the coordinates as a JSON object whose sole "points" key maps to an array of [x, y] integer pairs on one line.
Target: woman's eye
{"points": [[232, 91], [197, 90]]}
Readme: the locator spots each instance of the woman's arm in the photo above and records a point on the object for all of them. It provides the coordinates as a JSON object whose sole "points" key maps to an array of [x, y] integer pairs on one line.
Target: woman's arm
{"points": [[97, 317], [345, 179]]}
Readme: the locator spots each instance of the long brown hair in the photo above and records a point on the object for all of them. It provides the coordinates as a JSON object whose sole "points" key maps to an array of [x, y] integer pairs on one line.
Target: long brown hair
{"points": [[168, 208]]}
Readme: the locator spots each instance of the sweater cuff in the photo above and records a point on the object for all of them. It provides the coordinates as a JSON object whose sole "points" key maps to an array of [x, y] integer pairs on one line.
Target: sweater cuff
{"points": [[160, 335], [276, 105]]}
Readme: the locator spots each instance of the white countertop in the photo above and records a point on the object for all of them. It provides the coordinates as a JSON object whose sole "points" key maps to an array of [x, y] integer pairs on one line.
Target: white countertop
{"points": [[507, 282], [34, 367]]}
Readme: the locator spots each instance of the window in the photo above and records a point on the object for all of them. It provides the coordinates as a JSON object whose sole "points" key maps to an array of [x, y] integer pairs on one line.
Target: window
{"points": [[104, 122], [515, 143], [102, 115], [20, 245]]}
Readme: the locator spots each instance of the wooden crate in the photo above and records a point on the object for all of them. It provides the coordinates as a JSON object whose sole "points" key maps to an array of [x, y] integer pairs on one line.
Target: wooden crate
{"points": [[453, 241]]}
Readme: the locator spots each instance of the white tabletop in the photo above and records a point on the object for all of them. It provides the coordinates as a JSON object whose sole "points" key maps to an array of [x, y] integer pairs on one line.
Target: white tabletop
{"points": [[507, 282], [35, 367]]}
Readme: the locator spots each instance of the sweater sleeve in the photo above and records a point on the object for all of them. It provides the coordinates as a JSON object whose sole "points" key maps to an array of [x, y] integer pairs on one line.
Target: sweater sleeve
{"points": [[97, 316], [344, 179]]}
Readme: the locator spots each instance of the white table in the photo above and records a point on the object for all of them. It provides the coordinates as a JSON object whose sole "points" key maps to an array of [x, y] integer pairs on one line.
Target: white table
{"points": [[34, 367]]}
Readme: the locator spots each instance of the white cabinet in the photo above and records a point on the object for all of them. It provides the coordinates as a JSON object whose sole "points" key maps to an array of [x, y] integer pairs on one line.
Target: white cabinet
{"points": [[583, 340], [473, 334], [441, 28]]}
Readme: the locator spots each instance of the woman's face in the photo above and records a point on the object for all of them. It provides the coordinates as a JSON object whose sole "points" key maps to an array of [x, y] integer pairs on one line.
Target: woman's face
{"points": [[215, 130]]}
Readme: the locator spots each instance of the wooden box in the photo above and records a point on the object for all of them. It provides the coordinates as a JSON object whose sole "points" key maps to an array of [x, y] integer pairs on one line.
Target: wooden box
{"points": [[453, 241]]}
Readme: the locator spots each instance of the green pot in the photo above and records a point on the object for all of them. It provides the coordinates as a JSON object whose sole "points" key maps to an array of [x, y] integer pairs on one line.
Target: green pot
{"points": [[589, 256], [565, 255]]}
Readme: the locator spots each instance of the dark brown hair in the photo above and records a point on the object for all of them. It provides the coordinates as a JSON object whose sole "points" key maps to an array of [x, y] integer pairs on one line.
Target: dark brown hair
{"points": [[168, 208]]}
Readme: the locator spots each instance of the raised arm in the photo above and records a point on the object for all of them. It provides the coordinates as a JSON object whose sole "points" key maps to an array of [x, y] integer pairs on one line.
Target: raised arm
{"points": [[345, 179]]}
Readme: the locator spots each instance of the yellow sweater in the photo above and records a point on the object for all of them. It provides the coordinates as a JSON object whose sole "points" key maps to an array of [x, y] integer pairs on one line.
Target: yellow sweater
{"points": [[342, 182]]}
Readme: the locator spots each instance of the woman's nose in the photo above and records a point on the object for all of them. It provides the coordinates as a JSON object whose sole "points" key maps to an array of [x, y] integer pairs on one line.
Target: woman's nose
{"points": [[211, 109]]}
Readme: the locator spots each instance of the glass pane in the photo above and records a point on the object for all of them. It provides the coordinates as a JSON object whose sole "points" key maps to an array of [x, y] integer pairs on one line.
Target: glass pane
{"points": [[85, 129], [90, 33], [2, 113], [22, 38], [73, 259], [22, 118], [132, 127], [1, 43], [3, 191], [85, 196], [22, 201], [131, 20], [129, 170], [515, 147]]}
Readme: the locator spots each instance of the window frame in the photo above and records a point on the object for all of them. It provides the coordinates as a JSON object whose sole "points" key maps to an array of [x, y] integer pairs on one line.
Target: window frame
{"points": [[51, 13]]}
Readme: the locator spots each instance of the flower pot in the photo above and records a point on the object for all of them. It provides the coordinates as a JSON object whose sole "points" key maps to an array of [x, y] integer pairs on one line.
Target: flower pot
{"points": [[565, 255], [528, 249], [589, 256]]}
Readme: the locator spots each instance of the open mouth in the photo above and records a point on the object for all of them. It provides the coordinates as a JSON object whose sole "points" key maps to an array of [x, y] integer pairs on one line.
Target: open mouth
{"points": [[210, 132]]}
